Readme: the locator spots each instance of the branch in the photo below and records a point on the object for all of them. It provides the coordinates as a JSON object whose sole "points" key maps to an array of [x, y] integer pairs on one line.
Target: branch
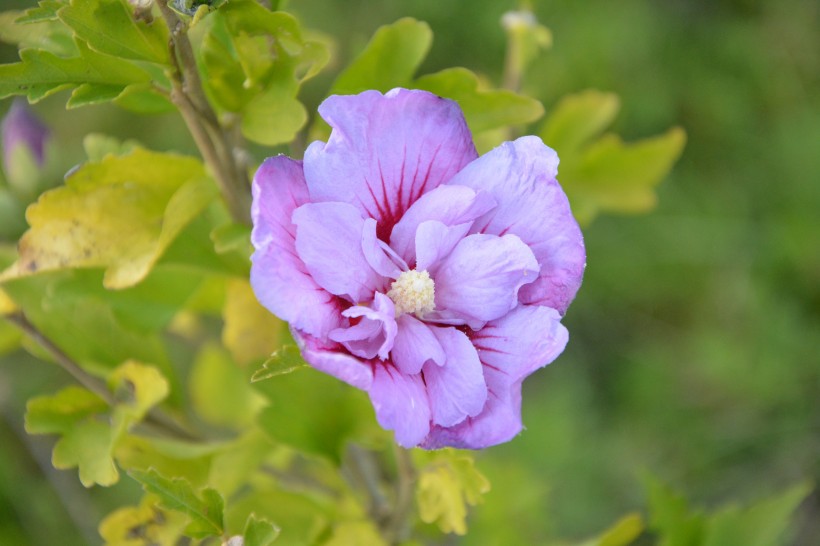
{"points": [[155, 420], [219, 150]]}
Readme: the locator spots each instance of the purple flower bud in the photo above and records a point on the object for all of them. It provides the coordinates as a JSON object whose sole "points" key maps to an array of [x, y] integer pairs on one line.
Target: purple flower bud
{"points": [[21, 127]]}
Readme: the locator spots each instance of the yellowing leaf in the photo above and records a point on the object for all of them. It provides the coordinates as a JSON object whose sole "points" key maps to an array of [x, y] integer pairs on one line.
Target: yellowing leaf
{"points": [[446, 486], [7, 305], [58, 413], [251, 332], [137, 388], [143, 524], [120, 213]]}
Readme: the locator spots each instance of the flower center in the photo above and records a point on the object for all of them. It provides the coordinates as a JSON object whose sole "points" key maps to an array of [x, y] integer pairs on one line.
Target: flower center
{"points": [[413, 292]]}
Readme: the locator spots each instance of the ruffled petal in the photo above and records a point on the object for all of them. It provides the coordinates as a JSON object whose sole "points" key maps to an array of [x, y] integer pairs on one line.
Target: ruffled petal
{"points": [[329, 242], [479, 280], [279, 278], [385, 151], [375, 332], [435, 241], [415, 344], [457, 389], [381, 257], [510, 348], [334, 360], [401, 404], [449, 205], [520, 175]]}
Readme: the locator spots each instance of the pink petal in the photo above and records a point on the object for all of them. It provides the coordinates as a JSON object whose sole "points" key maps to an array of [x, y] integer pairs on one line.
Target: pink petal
{"points": [[435, 241], [510, 349], [520, 175], [333, 360], [279, 278], [415, 344], [479, 280], [457, 389], [381, 257], [329, 242], [401, 404], [385, 151], [449, 205], [375, 332]]}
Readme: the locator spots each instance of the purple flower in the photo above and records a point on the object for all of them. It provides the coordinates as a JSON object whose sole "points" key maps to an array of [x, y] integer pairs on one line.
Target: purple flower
{"points": [[415, 270], [21, 127]]}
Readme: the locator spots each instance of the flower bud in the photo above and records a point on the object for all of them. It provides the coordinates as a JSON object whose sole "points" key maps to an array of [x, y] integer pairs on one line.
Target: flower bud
{"points": [[21, 127]]}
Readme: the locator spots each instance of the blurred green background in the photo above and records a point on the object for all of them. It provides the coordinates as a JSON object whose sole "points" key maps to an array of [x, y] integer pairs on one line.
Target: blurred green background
{"points": [[694, 350]]}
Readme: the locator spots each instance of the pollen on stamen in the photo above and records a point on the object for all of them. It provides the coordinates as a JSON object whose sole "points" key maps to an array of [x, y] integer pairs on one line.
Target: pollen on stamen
{"points": [[413, 292]]}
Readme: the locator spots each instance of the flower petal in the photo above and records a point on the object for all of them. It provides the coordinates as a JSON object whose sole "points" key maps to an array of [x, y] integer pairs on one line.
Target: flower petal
{"points": [[479, 280], [387, 150], [435, 241], [448, 204], [520, 175], [457, 389], [380, 256], [279, 278], [329, 242], [334, 361], [510, 348], [375, 332], [401, 404], [415, 344]]}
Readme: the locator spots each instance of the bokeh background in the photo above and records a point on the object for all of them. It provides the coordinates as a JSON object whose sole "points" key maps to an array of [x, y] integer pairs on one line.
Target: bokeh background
{"points": [[695, 340]]}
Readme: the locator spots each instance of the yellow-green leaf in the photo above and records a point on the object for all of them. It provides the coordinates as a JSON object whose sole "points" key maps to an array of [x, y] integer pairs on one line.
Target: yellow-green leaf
{"points": [[579, 118], [88, 445], [143, 524], [120, 213], [355, 532], [251, 332], [484, 109], [447, 485], [137, 388], [261, 532], [624, 532], [58, 413]]}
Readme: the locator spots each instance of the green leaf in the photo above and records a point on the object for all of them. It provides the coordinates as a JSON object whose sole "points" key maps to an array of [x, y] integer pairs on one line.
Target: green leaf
{"points": [[315, 413], [355, 532], [446, 486], [579, 118], [251, 332], [624, 532], [88, 445], [40, 74], [259, 532], [109, 26], [274, 116], [45, 11], [85, 224], [204, 513], [764, 523], [57, 414], [286, 360], [671, 517], [97, 146], [389, 60], [220, 391], [87, 440], [38, 33], [484, 109]]}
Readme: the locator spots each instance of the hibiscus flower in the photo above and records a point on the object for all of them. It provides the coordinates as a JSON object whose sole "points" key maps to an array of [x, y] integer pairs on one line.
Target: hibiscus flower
{"points": [[415, 270]]}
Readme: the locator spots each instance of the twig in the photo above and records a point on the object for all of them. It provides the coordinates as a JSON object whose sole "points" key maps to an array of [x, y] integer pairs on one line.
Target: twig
{"points": [[398, 526], [218, 150], [155, 420]]}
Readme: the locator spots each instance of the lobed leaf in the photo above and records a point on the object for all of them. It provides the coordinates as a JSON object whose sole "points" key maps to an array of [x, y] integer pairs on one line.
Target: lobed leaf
{"points": [[109, 26], [88, 445], [446, 486], [59, 413], [484, 109], [579, 118], [204, 513], [284, 361], [85, 224], [142, 524], [46, 10], [97, 76], [137, 388]]}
